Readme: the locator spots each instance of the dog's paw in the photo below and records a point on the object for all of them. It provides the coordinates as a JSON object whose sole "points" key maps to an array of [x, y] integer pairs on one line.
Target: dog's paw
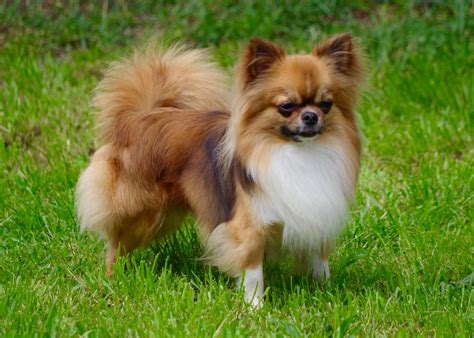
{"points": [[254, 301], [321, 272], [252, 283]]}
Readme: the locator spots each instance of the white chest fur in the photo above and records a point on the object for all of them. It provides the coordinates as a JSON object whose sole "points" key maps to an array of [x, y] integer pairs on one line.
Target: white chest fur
{"points": [[307, 188]]}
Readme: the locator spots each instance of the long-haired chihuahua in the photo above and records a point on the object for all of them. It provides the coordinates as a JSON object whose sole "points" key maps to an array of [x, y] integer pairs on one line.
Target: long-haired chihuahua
{"points": [[269, 165]]}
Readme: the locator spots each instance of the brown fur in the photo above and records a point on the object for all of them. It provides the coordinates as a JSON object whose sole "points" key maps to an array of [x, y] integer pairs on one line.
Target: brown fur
{"points": [[170, 144]]}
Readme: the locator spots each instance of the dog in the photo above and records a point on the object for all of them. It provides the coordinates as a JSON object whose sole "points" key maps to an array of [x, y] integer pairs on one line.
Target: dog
{"points": [[271, 164]]}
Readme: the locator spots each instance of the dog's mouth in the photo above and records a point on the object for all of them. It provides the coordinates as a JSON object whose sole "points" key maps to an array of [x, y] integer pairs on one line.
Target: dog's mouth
{"points": [[300, 133]]}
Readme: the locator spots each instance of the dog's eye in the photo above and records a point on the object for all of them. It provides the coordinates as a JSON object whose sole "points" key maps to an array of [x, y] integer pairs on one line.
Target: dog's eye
{"points": [[286, 109], [325, 106]]}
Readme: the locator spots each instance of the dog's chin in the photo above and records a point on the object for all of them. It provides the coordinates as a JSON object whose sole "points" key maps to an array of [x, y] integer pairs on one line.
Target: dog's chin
{"points": [[304, 135], [307, 138]]}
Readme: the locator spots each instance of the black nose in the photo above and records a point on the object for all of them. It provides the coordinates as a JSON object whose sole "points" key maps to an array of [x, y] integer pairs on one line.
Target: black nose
{"points": [[309, 118]]}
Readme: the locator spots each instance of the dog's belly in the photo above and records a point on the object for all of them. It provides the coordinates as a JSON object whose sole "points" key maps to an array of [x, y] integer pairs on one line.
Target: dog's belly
{"points": [[307, 190]]}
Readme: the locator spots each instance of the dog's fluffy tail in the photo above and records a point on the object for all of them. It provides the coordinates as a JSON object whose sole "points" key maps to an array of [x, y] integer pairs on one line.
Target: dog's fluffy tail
{"points": [[94, 194], [157, 78]]}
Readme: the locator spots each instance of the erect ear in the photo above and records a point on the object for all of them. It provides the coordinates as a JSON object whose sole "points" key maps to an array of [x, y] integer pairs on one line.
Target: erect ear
{"points": [[258, 57], [340, 51]]}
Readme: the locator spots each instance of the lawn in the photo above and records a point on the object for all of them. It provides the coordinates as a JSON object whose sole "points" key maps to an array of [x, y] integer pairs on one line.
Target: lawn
{"points": [[404, 265]]}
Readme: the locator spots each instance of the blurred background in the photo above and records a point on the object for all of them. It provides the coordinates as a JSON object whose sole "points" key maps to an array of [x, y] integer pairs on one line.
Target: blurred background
{"points": [[61, 26]]}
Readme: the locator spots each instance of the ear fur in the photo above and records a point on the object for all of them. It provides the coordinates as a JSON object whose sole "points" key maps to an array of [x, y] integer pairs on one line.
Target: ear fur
{"points": [[341, 52], [258, 57]]}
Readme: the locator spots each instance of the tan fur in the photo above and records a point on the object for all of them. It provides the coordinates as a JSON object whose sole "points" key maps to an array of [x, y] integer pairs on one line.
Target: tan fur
{"points": [[254, 108], [152, 109], [253, 129], [168, 139], [238, 243]]}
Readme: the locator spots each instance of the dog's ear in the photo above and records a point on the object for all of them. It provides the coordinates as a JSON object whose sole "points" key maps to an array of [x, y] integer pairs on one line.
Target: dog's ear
{"points": [[341, 53], [258, 57]]}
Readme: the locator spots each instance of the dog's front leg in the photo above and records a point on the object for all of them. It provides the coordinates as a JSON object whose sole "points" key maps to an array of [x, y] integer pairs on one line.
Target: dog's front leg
{"points": [[320, 268], [237, 247], [251, 281]]}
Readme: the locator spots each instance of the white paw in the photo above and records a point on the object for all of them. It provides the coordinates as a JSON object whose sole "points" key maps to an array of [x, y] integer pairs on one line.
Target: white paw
{"points": [[254, 301], [252, 284], [320, 268]]}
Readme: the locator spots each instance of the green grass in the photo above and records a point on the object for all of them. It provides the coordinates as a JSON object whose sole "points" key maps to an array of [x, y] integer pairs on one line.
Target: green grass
{"points": [[404, 265]]}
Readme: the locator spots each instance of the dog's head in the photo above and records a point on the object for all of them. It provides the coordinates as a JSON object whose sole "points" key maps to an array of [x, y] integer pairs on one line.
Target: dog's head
{"points": [[298, 98]]}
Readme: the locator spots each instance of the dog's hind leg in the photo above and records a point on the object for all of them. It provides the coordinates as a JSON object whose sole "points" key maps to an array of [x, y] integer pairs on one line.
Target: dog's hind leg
{"points": [[111, 257], [132, 233], [112, 204]]}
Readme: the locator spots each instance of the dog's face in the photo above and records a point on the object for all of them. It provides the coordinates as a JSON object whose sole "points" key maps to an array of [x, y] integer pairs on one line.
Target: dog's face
{"points": [[299, 98]]}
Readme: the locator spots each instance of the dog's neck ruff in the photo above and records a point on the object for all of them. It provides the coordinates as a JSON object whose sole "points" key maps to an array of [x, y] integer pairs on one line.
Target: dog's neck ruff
{"points": [[306, 188]]}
